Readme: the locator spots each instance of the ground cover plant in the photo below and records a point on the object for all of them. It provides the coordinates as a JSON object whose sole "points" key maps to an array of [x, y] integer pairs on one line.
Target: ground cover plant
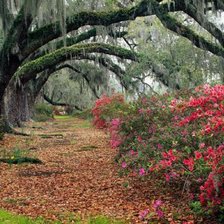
{"points": [[178, 137], [7, 217]]}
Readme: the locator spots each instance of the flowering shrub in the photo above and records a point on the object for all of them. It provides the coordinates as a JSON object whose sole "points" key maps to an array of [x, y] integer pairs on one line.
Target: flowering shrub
{"points": [[106, 108], [180, 136], [108, 112]]}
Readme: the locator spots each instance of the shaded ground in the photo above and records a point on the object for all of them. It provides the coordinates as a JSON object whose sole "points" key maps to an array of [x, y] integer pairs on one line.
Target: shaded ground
{"points": [[78, 177]]}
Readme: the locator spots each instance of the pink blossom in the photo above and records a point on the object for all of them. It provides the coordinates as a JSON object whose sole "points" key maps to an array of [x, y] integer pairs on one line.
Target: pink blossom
{"points": [[132, 152], [115, 122], [157, 203], [160, 213], [115, 143], [143, 214], [139, 139], [141, 171], [190, 163], [141, 111], [124, 165], [199, 180], [202, 145], [167, 176], [198, 155], [176, 118]]}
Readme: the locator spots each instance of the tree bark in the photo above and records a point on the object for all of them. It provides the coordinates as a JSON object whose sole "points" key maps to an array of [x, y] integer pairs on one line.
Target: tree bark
{"points": [[18, 104]]}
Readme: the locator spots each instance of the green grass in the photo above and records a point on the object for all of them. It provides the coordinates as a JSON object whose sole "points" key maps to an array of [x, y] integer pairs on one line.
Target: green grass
{"points": [[103, 220], [9, 218], [87, 148], [62, 117], [84, 124]]}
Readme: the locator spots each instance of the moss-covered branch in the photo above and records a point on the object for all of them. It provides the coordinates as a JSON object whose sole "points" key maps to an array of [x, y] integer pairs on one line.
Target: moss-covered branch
{"points": [[220, 5], [79, 38], [30, 69], [60, 104], [10, 53], [146, 7], [172, 24], [110, 65], [194, 13], [84, 76], [191, 9], [52, 31]]}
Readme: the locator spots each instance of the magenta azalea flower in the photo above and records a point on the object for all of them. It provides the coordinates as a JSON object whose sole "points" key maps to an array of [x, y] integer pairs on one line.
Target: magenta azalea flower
{"points": [[141, 171], [124, 165], [143, 214], [157, 203], [160, 213]]}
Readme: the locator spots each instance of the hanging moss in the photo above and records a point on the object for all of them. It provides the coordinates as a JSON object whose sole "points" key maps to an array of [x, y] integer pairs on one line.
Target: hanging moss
{"points": [[49, 32], [199, 41]]}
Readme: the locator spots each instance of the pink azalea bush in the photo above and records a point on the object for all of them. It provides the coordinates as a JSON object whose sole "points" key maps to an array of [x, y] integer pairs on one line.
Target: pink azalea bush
{"points": [[107, 114], [106, 108], [179, 136]]}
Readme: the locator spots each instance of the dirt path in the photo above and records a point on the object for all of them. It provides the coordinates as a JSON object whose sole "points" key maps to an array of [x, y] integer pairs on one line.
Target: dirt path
{"points": [[78, 176]]}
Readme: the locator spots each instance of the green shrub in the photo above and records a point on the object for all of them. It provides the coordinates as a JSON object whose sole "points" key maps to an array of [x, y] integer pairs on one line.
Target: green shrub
{"points": [[41, 117], [42, 108], [42, 112], [85, 114], [16, 156]]}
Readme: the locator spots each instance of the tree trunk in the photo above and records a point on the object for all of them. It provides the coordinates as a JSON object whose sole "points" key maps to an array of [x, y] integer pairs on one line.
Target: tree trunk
{"points": [[17, 105]]}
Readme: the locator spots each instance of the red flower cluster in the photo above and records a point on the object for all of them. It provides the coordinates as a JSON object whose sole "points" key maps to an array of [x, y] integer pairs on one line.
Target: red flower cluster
{"points": [[101, 112], [209, 106], [206, 112]]}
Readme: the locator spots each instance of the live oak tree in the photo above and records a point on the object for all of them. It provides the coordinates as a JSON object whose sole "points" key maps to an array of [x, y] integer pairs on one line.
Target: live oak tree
{"points": [[184, 65], [40, 35]]}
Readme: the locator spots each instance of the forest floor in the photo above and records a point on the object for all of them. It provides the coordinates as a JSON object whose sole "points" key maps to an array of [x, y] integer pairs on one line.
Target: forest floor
{"points": [[78, 177]]}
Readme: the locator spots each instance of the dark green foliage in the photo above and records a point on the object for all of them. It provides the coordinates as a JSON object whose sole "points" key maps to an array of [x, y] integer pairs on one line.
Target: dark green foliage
{"points": [[21, 160], [85, 114], [43, 112]]}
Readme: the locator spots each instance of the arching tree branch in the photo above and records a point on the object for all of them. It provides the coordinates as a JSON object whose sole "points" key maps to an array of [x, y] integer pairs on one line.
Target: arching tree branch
{"points": [[30, 69], [52, 31], [86, 78], [192, 11], [60, 104], [77, 39], [172, 24]]}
